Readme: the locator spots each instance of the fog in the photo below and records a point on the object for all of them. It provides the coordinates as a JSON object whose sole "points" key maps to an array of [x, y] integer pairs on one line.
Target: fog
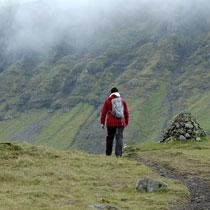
{"points": [[41, 24]]}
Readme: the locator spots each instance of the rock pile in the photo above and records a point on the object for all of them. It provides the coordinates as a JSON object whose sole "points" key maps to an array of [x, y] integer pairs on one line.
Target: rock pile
{"points": [[184, 127]]}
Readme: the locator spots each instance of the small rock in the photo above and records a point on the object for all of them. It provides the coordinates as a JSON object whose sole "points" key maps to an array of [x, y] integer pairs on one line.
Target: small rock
{"points": [[177, 125], [182, 138], [198, 139], [98, 206], [187, 135], [149, 185], [196, 126], [51, 111], [198, 199], [181, 131], [189, 126], [189, 131], [103, 207], [6, 117]]}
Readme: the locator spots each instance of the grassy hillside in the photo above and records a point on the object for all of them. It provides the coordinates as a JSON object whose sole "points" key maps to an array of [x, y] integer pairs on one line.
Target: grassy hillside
{"points": [[42, 178], [160, 65], [40, 127]]}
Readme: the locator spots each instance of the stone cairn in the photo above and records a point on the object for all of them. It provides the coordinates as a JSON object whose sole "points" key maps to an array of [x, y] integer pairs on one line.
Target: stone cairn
{"points": [[184, 127]]}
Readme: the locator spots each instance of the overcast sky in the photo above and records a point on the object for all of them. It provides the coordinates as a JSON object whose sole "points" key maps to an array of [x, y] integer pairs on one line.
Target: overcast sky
{"points": [[9, 2], [48, 21]]}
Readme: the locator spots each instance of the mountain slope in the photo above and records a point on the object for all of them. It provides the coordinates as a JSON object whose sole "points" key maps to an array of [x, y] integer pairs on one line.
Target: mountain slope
{"points": [[159, 62]]}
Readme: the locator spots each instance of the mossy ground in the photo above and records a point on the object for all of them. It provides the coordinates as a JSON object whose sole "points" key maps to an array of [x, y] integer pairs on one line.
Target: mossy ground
{"points": [[42, 178]]}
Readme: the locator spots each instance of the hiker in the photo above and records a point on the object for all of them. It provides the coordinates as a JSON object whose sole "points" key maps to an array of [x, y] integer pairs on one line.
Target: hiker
{"points": [[115, 112]]}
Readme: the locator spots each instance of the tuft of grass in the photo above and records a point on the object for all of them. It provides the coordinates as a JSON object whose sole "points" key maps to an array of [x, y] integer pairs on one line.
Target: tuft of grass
{"points": [[41, 178]]}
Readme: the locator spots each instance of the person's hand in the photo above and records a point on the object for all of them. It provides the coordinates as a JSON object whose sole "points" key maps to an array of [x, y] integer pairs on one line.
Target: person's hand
{"points": [[102, 126]]}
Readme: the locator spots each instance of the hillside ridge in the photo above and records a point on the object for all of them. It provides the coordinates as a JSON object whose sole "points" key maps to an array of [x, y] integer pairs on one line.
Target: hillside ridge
{"points": [[159, 62]]}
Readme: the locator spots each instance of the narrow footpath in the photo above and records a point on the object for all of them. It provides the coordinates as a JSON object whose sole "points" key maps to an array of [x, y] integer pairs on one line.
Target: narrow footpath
{"points": [[199, 189]]}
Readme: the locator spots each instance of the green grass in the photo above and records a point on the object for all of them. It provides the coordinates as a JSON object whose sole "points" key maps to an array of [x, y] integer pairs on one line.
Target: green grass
{"points": [[55, 129], [147, 117], [154, 108], [63, 127], [185, 158], [42, 178], [20, 123], [201, 110]]}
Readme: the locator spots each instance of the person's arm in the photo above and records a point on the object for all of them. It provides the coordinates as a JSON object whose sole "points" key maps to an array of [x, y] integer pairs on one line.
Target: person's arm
{"points": [[103, 114], [126, 113]]}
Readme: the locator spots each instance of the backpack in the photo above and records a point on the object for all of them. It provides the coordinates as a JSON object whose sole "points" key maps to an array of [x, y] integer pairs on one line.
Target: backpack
{"points": [[117, 108]]}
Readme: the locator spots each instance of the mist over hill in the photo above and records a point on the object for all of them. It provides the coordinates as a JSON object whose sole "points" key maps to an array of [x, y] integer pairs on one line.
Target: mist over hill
{"points": [[40, 25], [64, 56]]}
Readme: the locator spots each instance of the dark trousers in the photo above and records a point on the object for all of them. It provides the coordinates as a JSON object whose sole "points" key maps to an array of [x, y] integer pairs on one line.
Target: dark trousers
{"points": [[117, 133]]}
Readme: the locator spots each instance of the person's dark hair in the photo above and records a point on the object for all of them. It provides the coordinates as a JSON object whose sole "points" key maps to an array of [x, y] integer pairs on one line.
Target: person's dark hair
{"points": [[114, 90]]}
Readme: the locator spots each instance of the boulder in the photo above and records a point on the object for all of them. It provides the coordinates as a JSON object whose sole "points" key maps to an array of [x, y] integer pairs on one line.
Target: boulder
{"points": [[150, 185]]}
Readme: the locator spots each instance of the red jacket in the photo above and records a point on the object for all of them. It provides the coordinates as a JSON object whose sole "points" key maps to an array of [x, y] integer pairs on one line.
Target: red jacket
{"points": [[106, 114]]}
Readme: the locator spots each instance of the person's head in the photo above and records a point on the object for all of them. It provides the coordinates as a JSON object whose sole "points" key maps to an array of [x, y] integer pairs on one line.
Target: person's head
{"points": [[114, 90]]}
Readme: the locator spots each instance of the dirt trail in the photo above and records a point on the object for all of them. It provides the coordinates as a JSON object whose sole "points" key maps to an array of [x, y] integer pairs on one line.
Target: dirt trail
{"points": [[199, 189]]}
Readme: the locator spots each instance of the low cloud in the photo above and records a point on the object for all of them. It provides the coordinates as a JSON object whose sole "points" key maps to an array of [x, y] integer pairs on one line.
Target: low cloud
{"points": [[40, 24]]}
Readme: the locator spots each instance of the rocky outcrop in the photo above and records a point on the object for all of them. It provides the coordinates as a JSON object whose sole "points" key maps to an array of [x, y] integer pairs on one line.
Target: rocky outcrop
{"points": [[184, 127], [6, 117]]}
